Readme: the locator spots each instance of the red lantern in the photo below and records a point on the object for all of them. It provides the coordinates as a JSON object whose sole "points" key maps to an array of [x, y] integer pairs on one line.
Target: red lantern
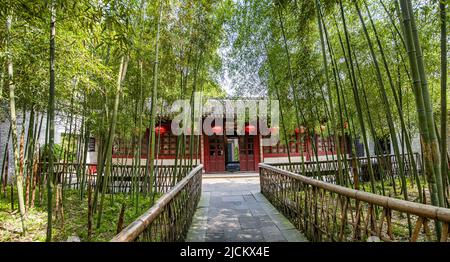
{"points": [[217, 129], [274, 129], [300, 130], [160, 130], [249, 128]]}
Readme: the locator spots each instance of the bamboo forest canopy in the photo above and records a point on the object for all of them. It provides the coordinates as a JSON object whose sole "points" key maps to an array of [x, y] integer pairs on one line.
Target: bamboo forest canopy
{"points": [[91, 38], [262, 34], [244, 48]]}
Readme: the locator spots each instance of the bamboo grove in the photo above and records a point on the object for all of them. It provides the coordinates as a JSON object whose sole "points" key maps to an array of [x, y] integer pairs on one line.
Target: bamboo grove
{"points": [[368, 70], [363, 70], [103, 70]]}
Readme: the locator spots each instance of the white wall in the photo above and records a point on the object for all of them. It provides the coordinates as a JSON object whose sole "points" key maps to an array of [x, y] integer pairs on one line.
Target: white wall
{"points": [[61, 126], [415, 144], [129, 161]]}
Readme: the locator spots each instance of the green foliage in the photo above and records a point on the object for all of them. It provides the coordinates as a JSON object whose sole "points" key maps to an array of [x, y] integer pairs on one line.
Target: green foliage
{"points": [[255, 36], [57, 153], [75, 219]]}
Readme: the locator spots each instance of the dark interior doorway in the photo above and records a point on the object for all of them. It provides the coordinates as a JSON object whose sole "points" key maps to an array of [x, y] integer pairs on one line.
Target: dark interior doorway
{"points": [[232, 163]]}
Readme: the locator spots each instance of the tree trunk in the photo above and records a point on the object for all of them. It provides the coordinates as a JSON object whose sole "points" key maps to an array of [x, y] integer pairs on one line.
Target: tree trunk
{"points": [[330, 95], [112, 130], [433, 140], [356, 98], [2, 77], [3, 174], [400, 112], [151, 141], [384, 99], [13, 121], [420, 99], [444, 91], [51, 121]]}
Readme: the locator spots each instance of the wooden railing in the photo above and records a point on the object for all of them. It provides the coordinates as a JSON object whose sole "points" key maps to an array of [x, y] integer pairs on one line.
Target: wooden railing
{"points": [[169, 219], [328, 212], [122, 178], [326, 170]]}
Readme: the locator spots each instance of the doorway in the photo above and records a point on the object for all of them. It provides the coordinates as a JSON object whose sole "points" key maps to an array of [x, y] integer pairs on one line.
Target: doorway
{"points": [[214, 154], [233, 153], [248, 153], [232, 157]]}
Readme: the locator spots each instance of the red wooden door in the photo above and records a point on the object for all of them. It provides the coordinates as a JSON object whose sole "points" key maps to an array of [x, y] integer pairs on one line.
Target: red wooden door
{"points": [[248, 152], [214, 154]]}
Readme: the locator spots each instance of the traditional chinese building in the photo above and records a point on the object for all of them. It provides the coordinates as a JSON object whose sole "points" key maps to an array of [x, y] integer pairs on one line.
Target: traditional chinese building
{"points": [[226, 150]]}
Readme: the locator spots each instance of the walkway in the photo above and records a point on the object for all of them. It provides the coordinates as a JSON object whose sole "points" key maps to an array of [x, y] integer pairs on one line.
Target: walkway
{"points": [[232, 209]]}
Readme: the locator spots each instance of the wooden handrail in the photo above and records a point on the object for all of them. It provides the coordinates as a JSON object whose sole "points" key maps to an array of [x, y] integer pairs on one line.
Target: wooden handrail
{"points": [[348, 159], [132, 231], [422, 210]]}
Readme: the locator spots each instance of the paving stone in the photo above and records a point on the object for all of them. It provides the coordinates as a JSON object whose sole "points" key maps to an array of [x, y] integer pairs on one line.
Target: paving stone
{"points": [[213, 212], [250, 235], [249, 196], [265, 221], [281, 222], [214, 230], [204, 200], [270, 229], [258, 211], [234, 210], [231, 234], [223, 224], [239, 198], [293, 235], [242, 213], [249, 222], [259, 197], [240, 205], [215, 237], [275, 237]]}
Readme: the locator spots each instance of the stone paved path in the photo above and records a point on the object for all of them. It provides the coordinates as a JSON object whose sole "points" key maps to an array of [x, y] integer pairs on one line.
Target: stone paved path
{"points": [[234, 210]]}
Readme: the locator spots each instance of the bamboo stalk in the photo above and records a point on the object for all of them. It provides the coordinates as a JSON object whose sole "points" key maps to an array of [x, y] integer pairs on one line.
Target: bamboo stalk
{"points": [[13, 121], [277, 92], [356, 98], [151, 144], [400, 113], [434, 153], [325, 64], [336, 84], [444, 91], [385, 100], [3, 180], [51, 120], [120, 79], [419, 100]]}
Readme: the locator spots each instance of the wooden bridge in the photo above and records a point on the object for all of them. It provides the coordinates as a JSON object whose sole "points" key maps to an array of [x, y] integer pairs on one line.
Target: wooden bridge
{"points": [[320, 210]]}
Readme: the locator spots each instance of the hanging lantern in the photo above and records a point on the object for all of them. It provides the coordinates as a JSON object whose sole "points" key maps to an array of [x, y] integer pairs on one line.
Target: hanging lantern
{"points": [[217, 130], [249, 128], [275, 129], [159, 130], [300, 130]]}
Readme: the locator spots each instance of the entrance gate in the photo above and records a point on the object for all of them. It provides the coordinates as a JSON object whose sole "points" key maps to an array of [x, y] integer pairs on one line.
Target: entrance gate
{"points": [[215, 153]]}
